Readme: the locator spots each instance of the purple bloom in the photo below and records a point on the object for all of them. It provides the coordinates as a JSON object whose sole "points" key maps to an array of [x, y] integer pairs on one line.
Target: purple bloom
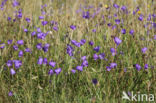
{"points": [[46, 47], [9, 63], [20, 42], [91, 43], [140, 17], [51, 72], [131, 31], [102, 55], [15, 3], [10, 93], [52, 64], [20, 54], [95, 56], [39, 46], [9, 41], [15, 47], [108, 68], [125, 69], [73, 71], [94, 30], [86, 15], [83, 41], [123, 31], [117, 21], [85, 63], [28, 50], [33, 33], [45, 61], [39, 30], [113, 65], [115, 5], [80, 68], [9, 18], [144, 49], [17, 63], [74, 42], [73, 27], [41, 17], [123, 8], [58, 70], [2, 45], [40, 61], [44, 22], [70, 50], [83, 58], [97, 48], [12, 71], [146, 66], [26, 30], [154, 37], [27, 19], [117, 40], [55, 28], [113, 51], [138, 67], [94, 81]]}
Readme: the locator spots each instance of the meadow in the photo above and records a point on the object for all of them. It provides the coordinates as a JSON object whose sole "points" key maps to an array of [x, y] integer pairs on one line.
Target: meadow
{"points": [[77, 51]]}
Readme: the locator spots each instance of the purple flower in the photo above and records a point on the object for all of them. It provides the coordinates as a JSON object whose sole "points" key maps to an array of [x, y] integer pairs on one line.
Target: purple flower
{"points": [[97, 48], [28, 50], [83, 41], [46, 47], [94, 81], [108, 68], [91, 43], [58, 70], [123, 31], [113, 65], [138, 67], [117, 21], [154, 37], [73, 71], [144, 50], [69, 50], [20, 42], [44, 22], [74, 42], [27, 19], [9, 41], [85, 63], [80, 68], [2, 45], [51, 72], [40, 61], [55, 28], [83, 58], [113, 51], [117, 40], [45, 61], [33, 33], [116, 6], [123, 8], [15, 47], [26, 30], [95, 56], [86, 15], [17, 63], [39, 46], [12, 71], [39, 30], [73, 27], [15, 3], [131, 31], [52, 64], [41, 17], [102, 55], [9, 63], [94, 30], [146, 66], [140, 17], [10, 93], [9, 18], [20, 54]]}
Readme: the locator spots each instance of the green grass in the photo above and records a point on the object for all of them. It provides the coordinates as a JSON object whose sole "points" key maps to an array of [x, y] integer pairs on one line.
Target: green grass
{"points": [[32, 84]]}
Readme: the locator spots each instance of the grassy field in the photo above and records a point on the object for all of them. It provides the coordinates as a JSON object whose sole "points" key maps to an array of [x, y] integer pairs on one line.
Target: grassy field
{"points": [[77, 51]]}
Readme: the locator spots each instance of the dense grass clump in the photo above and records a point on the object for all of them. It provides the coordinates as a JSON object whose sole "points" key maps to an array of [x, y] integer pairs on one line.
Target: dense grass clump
{"points": [[60, 51]]}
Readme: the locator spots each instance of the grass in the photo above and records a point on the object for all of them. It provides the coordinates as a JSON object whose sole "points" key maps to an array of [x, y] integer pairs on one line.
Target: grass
{"points": [[32, 84]]}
